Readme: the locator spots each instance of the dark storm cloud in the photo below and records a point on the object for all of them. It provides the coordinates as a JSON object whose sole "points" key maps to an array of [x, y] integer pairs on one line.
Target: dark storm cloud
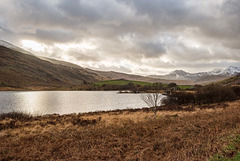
{"points": [[160, 33], [81, 10], [42, 13], [231, 8], [165, 12]]}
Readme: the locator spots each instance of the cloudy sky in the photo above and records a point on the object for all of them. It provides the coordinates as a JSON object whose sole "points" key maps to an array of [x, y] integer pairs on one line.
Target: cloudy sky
{"points": [[131, 36]]}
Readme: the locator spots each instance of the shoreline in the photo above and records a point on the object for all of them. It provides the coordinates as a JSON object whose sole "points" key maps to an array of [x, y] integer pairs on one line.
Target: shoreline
{"points": [[160, 109], [59, 90], [123, 135]]}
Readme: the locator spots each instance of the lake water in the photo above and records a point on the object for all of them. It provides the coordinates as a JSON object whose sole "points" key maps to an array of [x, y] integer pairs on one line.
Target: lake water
{"points": [[64, 102]]}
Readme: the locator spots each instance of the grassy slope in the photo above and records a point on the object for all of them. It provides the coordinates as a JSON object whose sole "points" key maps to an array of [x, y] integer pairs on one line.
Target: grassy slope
{"points": [[111, 75], [122, 135], [232, 80], [25, 71]]}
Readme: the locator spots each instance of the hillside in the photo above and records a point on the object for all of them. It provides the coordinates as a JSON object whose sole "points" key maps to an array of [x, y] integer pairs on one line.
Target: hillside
{"points": [[26, 71], [21, 70], [112, 75], [209, 79], [235, 80]]}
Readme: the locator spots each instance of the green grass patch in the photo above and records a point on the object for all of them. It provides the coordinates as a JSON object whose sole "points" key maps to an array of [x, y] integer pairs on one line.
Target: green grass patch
{"points": [[122, 82], [184, 86], [151, 86], [230, 152]]}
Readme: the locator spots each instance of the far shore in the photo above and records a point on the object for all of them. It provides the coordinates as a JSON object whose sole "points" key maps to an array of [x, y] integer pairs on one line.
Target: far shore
{"points": [[6, 89]]}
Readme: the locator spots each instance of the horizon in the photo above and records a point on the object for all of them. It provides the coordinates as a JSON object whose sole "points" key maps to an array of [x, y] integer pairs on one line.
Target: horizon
{"points": [[124, 72], [133, 37]]}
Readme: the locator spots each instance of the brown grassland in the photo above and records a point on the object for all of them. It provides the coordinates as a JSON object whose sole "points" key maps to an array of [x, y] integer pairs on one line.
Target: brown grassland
{"points": [[201, 134]]}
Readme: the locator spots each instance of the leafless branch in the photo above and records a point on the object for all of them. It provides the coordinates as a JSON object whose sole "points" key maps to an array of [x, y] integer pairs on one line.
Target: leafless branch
{"points": [[152, 100]]}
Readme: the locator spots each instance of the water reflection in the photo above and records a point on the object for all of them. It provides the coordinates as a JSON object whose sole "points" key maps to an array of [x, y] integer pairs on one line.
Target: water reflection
{"points": [[63, 102]]}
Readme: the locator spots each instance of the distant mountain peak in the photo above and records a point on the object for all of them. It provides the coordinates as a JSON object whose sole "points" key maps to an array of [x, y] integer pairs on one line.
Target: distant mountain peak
{"points": [[233, 68], [231, 71], [217, 70], [180, 72], [215, 74]]}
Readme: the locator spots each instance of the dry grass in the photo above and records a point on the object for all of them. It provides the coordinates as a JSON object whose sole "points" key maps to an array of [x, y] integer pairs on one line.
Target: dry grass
{"points": [[121, 135]]}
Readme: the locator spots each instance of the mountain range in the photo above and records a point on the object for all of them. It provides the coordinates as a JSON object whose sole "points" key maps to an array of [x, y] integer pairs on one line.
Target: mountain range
{"points": [[201, 77]]}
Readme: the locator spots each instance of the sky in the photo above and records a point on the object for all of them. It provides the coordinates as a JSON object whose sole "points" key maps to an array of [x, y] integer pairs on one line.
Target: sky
{"points": [[131, 36]]}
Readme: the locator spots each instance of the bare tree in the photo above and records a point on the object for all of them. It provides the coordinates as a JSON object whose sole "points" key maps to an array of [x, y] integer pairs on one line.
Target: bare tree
{"points": [[152, 100]]}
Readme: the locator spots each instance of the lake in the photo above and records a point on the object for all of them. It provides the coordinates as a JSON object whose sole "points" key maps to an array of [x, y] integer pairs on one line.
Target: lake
{"points": [[64, 102]]}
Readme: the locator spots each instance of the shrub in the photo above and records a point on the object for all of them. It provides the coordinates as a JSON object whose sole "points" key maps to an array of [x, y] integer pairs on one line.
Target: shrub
{"points": [[168, 101], [172, 85], [214, 94], [236, 90], [197, 86], [183, 98]]}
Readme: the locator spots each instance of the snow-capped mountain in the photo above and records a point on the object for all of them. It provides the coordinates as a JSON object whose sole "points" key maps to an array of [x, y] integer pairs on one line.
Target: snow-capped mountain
{"points": [[231, 71], [201, 76]]}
